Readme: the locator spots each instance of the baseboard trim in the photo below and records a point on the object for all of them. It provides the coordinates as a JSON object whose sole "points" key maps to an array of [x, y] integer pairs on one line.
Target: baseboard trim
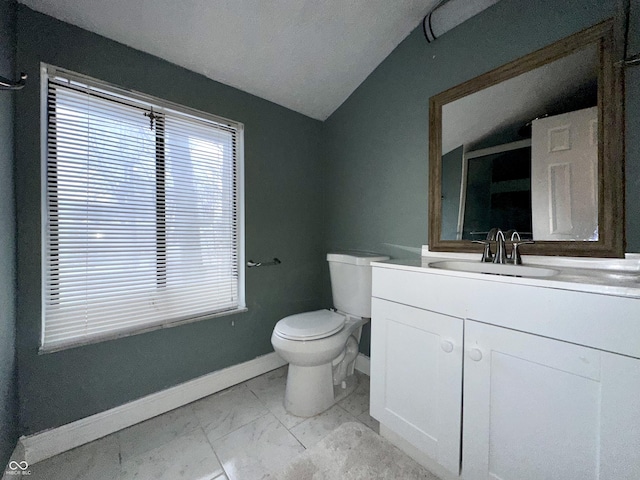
{"points": [[363, 364], [51, 442]]}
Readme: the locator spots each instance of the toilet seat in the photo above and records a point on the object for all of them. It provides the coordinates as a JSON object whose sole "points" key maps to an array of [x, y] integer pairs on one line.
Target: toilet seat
{"points": [[310, 325]]}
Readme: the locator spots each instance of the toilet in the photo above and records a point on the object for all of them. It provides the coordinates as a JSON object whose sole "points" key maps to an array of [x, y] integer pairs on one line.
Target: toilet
{"points": [[321, 346]]}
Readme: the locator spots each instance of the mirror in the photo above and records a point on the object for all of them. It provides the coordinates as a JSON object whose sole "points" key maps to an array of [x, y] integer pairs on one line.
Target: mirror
{"points": [[533, 146]]}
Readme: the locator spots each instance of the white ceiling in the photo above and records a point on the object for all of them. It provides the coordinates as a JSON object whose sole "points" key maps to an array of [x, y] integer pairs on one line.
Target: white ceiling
{"points": [[306, 55], [511, 104]]}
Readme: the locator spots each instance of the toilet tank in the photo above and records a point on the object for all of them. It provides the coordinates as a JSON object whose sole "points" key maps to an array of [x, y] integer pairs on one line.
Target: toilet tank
{"points": [[351, 281]]}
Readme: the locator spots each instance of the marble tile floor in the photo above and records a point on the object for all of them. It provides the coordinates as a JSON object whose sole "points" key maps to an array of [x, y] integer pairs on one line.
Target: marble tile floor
{"points": [[242, 433]]}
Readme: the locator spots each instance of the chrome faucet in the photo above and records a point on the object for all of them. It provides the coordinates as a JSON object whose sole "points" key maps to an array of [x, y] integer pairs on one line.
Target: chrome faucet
{"points": [[501, 251], [512, 235], [487, 256], [515, 257], [497, 235]]}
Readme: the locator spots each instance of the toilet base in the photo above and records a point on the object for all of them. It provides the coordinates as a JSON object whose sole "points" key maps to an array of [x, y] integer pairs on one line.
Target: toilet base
{"points": [[310, 390]]}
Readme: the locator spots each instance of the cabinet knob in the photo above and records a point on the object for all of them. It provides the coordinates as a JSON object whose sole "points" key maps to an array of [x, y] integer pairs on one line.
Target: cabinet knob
{"points": [[475, 354], [446, 346]]}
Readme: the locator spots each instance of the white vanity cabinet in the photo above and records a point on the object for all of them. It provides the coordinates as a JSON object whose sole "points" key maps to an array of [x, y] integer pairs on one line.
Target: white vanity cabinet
{"points": [[537, 408], [533, 407], [417, 386]]}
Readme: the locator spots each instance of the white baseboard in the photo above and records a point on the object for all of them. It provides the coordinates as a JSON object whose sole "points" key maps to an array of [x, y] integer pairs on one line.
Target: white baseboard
{"points": [[51, 442], [363, 364]]}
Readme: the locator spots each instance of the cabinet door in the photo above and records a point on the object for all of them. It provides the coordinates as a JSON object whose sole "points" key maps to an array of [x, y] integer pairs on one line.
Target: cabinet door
{"points": [[541, 409], [416, 378]]}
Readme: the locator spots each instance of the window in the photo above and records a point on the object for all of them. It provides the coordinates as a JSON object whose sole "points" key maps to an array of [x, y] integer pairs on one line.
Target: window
{"points": [[142, 213]]}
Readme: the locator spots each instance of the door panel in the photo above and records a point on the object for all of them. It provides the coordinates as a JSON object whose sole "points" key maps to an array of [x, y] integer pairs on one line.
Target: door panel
{"points": [[564, 186], [536, 408], [416, 377]]}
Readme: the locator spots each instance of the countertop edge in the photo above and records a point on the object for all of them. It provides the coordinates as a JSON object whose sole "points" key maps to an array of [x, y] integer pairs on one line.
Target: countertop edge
{"points": [[420, 265]]}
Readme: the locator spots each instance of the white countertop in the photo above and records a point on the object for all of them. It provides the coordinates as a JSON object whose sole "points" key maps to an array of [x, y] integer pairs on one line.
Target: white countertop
{"points": [[617, 277]]}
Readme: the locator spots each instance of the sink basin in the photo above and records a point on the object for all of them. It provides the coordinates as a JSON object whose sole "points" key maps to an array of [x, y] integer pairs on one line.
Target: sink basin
{"points": [[495, 268]]}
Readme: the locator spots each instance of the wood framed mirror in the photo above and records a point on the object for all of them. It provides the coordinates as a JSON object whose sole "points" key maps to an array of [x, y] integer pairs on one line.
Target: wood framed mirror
{"points": [[537, 146]]}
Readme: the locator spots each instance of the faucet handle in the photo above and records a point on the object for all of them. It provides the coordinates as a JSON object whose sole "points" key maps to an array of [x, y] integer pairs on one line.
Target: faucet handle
{"points": [[487, 256], [516, 258]]}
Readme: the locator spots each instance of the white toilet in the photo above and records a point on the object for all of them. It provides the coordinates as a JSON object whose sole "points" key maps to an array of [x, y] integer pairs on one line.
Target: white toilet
{"points": [[321, 346]]}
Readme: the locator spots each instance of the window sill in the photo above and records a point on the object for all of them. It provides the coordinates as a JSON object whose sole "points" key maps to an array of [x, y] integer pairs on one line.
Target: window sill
{"points": [[129, 333]]}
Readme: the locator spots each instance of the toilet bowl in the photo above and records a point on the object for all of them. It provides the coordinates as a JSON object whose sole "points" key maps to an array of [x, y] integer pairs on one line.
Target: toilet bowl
{"points": [[321, 346], [310, 381]]}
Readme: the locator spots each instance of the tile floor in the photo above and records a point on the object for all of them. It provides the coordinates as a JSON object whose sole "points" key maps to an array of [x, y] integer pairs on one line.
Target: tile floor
{"points": [[242, 433]]}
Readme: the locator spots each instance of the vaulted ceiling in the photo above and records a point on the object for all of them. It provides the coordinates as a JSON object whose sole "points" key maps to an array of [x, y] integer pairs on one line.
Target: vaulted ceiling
{"points": [[306, 55]]}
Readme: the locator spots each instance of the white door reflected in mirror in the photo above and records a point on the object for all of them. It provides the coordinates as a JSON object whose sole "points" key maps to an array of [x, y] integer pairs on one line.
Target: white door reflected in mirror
{"points": [[564, 187]]}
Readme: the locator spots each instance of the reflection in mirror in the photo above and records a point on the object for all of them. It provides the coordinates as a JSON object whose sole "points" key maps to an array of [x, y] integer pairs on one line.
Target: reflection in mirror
{"points": [[536, 146], [523, 155]]}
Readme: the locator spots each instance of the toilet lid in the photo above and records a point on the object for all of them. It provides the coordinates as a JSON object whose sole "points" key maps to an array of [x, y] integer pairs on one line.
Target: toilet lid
{"points": [[310, 325]]}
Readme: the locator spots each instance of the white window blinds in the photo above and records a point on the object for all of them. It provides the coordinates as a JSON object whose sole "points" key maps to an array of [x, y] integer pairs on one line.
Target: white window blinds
{"points": [[143, 213]]}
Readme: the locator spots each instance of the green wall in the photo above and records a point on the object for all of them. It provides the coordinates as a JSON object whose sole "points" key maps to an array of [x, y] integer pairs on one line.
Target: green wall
{"points": [[8, 390], [284, 219], [376, 143]]}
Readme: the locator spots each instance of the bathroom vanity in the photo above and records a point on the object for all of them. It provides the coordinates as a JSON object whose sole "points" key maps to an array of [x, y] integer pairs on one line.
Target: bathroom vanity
{"points": [[519, 372], [492, 376]]}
